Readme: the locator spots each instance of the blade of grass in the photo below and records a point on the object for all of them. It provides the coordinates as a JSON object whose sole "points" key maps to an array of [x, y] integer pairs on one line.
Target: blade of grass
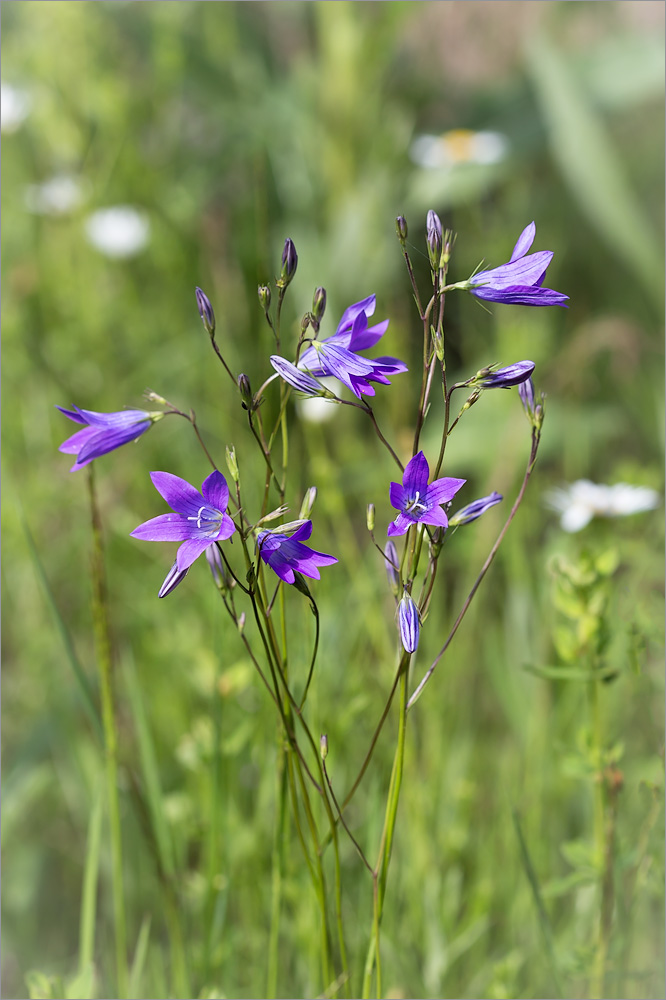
{"points": [[84, 684], [139, 960], [544, 921], [149, 769]]}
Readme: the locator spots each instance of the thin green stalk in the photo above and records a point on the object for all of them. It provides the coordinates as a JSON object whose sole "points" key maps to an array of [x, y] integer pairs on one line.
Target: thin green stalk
{"points": [[381, 869], [103, 644], [279, 840]]}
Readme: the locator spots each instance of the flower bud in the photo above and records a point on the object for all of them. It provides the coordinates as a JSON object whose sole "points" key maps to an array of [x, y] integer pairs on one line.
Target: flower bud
{"points": [[273, 515], [401, 228], [370, 517], [434, 239], [319, 304], [206, 312], [323, 746], [408, 620], [392, 563], [245, 392], [173, 578], [154, 397], [232, 464], [214, 560], [264, 293], [289, 263], [474, 510], [240, 624], [448, 240], [308, 503]]}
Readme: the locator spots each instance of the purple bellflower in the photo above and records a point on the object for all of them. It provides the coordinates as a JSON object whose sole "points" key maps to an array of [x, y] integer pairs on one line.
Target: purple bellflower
{"points": [[408, 622], [337, 355], [299, 380], [474, 510], [103, 432], [198, 519], [286, 554], [520, 281], [418, 502], [504, 378]]}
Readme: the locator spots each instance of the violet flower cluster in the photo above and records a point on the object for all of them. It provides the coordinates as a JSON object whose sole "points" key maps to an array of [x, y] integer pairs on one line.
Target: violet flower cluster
{"points": [[199, 519]]}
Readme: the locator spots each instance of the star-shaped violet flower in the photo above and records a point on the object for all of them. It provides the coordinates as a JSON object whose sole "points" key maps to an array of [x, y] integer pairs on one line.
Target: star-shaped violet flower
{"points": [[419, 502], [337, 355], [286, 554], [519, 281], [198, 519], [103, 432]]}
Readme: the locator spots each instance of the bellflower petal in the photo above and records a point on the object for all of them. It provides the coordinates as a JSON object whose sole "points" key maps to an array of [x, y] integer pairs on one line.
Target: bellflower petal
{"points": [[336, 355], [103, 432], [173, 578], [198, 518], [417, 501], [519, 281], [296, 378], [286, 555]]}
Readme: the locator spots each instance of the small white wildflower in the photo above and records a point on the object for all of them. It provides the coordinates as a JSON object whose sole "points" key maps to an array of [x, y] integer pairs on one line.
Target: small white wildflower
{"points": [[318, 409], [579, 502], [458, 147], [14, 107], [118, 232], [56, 196]]}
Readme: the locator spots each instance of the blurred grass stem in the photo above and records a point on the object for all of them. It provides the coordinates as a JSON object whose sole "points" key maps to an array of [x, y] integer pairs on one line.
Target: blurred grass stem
{"points": [[104, 661]]}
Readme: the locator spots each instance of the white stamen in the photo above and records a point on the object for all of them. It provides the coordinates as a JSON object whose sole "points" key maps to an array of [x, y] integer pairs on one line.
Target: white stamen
{"points": [[415, 505]]}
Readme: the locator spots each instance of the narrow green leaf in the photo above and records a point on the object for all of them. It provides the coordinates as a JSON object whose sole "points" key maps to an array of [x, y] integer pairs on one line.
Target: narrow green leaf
{"points": [[79, 672], [149, 769], [544, 921], [590, 164], [139, 960]]}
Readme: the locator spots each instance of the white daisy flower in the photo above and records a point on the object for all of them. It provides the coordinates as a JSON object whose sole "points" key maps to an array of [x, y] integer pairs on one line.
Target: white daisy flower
{"points": [[579, 502], [458, 147]]}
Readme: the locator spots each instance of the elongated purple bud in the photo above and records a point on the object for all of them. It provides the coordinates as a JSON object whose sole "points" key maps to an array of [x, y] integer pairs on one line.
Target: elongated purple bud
{"points": [[245, 392], [289, 263], [391, 562], [206, 312], [504, 378], [408, 620], [216, 566], [401, 228], [474, 510], [319, 303], [172, 579], [298, 379], [434, 239]]}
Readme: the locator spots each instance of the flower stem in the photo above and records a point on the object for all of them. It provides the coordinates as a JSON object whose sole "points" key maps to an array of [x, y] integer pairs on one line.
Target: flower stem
{"points": [[104, 661]]}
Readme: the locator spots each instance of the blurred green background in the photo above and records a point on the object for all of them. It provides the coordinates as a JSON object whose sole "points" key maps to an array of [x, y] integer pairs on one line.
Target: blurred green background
{"points": [[228, 127]]}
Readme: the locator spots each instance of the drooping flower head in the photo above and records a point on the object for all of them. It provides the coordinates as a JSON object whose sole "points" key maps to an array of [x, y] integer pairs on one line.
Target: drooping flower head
{"points": [[419, 502], [103, 432], [338, 356], [519, 281], [286, 554], [199, 518], [474, 510], [504, 378]]}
